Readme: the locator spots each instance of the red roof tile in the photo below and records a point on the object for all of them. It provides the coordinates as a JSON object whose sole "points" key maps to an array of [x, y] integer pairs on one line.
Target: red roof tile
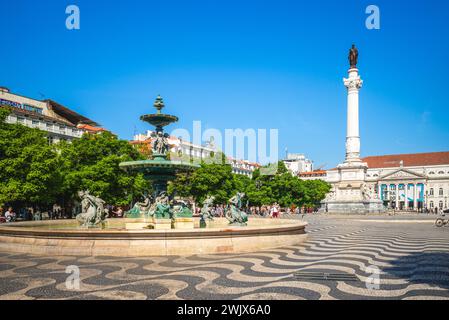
{"points": [[409, 160], [90, 128]]}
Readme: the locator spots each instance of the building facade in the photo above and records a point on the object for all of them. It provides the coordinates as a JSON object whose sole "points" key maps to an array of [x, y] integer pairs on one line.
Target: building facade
{"points": [[297, 163], [58, 121], [313, 175], [186, 149], [411, 181]]}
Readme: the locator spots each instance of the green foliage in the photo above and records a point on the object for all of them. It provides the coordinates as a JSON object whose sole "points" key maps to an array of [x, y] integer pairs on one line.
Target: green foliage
{"points": [[209, 179], [281, 187], [33, 172], [28, 165], [92, 163]]}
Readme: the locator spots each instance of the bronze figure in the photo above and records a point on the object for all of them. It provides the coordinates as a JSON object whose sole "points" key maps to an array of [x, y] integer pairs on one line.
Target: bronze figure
{"points": [[353, 57]]}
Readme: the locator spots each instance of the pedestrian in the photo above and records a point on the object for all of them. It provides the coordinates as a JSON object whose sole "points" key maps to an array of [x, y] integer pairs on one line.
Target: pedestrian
{"points": [[10, 215]]}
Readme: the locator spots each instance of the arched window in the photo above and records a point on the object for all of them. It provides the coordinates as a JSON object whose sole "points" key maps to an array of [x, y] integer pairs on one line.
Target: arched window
{"points": [[431, 172], [441, 172]]}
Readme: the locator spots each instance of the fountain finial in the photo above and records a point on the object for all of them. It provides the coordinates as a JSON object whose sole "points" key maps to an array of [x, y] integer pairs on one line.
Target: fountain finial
{"points": [[159, 104]]}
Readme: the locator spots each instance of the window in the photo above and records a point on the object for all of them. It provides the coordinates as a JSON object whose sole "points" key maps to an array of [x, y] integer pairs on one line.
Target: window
{"points": [[29, 108], [441, 192], [441, 205], [431, 172], [431, 192], [431, 204], [21, 120], [441, 172]]}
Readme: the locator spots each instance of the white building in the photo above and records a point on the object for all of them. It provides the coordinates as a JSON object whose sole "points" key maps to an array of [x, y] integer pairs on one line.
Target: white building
{"points": [[297, 163], [58, 121], [411, 181], [184, 148]]}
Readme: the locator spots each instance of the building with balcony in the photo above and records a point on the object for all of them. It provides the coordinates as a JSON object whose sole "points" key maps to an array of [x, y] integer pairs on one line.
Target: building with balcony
{"points": [[185, 149], [60, 122]]}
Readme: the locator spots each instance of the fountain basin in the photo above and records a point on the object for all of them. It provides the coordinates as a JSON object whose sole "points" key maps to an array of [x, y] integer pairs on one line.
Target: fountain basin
{"points": [[65, 239]]}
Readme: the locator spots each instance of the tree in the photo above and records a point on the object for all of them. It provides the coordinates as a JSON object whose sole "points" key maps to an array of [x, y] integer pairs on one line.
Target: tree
{"points": [[29, 172], [92, 163], [209, 180], [285, 189]]}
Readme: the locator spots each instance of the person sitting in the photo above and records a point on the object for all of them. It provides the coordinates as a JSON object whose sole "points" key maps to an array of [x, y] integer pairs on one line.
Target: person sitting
{"points": [[10, 215]]}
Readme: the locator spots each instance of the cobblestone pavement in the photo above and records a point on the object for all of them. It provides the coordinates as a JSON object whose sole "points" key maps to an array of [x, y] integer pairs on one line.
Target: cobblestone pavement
{"points": [[337, 262]]}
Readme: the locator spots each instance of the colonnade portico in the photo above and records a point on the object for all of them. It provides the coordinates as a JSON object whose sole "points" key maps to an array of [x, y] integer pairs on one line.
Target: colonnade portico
{"points": [[402, 195]]}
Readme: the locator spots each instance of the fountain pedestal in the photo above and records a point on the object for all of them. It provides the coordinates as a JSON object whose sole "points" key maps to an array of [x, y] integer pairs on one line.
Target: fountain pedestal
{"points": [[160, 224], [183, 223], [159, 170]]}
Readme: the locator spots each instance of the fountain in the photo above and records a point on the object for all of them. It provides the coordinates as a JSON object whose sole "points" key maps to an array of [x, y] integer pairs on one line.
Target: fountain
{"points": [[155, 227], [160, 170]]}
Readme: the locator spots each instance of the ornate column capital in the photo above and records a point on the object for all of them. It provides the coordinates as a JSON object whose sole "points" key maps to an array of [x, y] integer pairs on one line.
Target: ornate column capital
{"points": [[353, 83]]}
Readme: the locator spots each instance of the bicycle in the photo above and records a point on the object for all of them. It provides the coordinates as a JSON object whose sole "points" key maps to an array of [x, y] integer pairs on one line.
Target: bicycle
{"points": [[441, 222]]}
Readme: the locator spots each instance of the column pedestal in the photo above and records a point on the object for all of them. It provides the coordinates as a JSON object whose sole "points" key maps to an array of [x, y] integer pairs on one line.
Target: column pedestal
{"points": [[351, 193]]}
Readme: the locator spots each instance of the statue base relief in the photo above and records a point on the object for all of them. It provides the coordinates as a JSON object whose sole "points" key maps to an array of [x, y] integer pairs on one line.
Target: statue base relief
{"points": [[353, 207], [351, 194]]}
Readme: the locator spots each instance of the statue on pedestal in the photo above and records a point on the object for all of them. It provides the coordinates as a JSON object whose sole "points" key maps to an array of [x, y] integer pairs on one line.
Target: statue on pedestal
{"points": [[160, 144], [353, 57], [160, 209], [181, 209], [234, 213], [92, 210], [206, 213], [140, 208]]}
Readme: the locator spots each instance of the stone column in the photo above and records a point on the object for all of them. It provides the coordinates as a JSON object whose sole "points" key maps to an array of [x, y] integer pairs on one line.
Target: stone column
{"points": [[406, 196], [415, 197], [397, 196], [353, 83]]}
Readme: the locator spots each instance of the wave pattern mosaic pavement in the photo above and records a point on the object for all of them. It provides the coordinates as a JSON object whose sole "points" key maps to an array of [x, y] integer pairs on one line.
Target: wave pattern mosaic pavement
{"points": [[413, 260]]}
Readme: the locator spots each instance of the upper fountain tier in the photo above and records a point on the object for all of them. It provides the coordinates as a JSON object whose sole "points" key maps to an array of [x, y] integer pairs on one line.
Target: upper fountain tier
{"points": [[159, 120]]}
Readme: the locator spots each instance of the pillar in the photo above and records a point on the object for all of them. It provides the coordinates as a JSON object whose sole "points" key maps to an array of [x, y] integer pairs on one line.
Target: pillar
{"points": [[406, 195], [353, 83], [415, 197], [397, 196]]}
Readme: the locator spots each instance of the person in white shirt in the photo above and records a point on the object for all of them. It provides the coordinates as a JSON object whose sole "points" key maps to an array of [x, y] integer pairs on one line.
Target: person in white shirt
{"points": [[10, 215]]}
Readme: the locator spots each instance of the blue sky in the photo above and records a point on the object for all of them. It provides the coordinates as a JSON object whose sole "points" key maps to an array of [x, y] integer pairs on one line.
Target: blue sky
{"points": [[241, 64]]}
